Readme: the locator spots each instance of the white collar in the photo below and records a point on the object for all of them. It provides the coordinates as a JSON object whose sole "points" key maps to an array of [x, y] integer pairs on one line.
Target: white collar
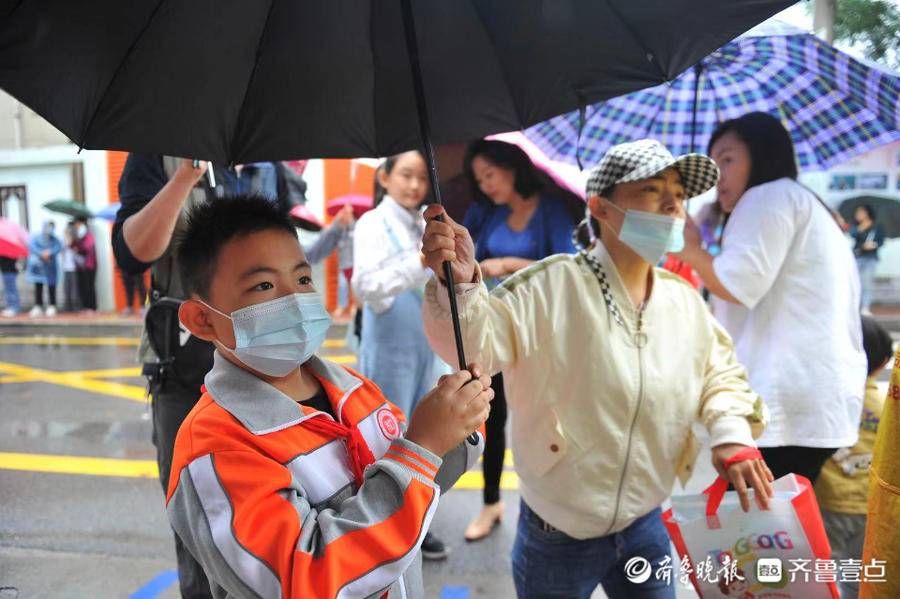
{"points": [[410, 218]]}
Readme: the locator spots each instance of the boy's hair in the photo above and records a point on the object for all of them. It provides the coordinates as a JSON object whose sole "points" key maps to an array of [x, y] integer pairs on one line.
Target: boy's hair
{"points": [[211, 225], [877, 343]]}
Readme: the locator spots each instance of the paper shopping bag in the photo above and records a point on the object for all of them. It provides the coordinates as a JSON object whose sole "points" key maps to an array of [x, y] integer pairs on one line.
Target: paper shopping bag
{"points": [[758, 554]]}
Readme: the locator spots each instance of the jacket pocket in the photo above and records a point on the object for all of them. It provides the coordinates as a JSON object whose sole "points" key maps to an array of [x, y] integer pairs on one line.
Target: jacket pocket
{"points": [[546, 446]]}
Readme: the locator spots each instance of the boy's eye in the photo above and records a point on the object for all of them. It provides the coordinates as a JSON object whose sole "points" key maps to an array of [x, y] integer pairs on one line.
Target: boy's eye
{"points": [[305, 280], [265, 286]]}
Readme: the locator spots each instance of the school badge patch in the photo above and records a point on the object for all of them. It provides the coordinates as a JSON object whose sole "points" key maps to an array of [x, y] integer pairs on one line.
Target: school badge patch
{"points": [[388, 423]]}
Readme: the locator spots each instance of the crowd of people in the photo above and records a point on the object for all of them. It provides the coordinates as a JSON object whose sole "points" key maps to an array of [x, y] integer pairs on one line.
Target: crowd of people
{"points": [[74, 257], [592, 334]]}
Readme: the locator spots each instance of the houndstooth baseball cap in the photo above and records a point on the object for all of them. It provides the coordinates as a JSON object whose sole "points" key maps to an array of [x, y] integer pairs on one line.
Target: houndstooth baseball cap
{"points": [[644, 158]]}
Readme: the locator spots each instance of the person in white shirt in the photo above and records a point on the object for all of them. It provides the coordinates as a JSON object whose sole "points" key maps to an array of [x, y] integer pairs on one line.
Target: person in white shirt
{"points": [[607, 362], [389, 275], [788, 294]]}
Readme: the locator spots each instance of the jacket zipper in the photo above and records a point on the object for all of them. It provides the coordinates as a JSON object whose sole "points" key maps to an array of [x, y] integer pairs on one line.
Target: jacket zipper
{"points": [[640, 339]]}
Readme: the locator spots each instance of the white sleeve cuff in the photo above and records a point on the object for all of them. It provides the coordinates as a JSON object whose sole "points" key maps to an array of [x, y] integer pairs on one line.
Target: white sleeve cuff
{"points": [[730, 429], [436, 291]]}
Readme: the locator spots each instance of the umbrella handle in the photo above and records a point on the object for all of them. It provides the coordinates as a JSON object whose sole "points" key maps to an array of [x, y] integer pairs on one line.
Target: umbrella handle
{"points": [[210, 174]]}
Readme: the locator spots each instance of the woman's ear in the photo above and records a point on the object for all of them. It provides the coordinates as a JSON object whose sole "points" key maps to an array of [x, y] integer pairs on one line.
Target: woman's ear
{"points": [[382, 177], [597, 206], [194, 316]]}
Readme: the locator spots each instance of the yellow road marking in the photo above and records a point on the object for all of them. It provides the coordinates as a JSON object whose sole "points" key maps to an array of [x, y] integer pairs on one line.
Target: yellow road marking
{"points": [[474, 481], [109, 373], [76, 381], [65, 464]]}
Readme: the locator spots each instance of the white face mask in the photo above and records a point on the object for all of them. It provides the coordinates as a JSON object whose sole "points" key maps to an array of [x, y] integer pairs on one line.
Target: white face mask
{"points": [[650, 235], [277, 336]]}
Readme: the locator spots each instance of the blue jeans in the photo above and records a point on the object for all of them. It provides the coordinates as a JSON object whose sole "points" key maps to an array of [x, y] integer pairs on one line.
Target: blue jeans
{"points": [[549, 564], [867, 266], [11, 292]]}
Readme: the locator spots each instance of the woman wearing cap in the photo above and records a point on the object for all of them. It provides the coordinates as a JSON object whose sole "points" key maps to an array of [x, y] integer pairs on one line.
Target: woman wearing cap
{"points": [[608, 361], [788, 293]]}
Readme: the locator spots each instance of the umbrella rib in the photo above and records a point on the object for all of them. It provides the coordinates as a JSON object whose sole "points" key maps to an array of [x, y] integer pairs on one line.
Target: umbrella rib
{"points": [[654, 59], [259, 45], [87, 128], [14, 9]]}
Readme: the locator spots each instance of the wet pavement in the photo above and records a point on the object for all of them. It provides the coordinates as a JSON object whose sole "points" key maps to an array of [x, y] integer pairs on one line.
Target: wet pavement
{"points": [[81, 509]]}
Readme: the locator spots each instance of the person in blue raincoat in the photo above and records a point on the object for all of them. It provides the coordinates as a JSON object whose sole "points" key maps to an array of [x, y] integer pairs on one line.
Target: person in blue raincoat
{"points": [[43, 267]]}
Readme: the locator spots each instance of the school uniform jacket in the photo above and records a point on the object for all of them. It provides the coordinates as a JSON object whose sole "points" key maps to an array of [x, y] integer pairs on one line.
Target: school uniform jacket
{"points": [[270, 508]]}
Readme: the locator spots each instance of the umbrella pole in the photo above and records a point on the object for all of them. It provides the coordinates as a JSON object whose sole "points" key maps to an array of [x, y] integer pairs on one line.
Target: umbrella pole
{"points": [[412, 48], [698, 70]]}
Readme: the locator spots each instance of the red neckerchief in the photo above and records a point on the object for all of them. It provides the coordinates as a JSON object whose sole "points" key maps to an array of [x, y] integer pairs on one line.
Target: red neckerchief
{"points": [[357, 449]]}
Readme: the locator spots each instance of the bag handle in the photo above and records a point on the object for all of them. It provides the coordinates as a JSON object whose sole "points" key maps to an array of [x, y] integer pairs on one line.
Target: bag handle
{"points": [[716, 491]]}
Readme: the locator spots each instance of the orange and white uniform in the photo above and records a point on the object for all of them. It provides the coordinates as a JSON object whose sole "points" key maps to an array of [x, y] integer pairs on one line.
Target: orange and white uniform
{"points": [[270, 507]]}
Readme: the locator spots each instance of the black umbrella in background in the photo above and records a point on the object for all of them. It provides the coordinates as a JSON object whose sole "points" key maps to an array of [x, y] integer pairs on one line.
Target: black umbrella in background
{"points": [[237, 82], [887, 212]]}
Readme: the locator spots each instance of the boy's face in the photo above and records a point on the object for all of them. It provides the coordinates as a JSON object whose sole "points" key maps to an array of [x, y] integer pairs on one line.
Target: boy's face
{"points": [[249, 270]]}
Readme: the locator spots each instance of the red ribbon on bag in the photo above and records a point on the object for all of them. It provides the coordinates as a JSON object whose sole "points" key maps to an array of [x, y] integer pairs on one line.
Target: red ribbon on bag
{"points": [[716, 491]]}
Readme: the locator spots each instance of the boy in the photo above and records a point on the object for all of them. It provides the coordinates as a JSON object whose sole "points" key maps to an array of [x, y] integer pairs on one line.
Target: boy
{"points": [[292, 476], [843, 486]]}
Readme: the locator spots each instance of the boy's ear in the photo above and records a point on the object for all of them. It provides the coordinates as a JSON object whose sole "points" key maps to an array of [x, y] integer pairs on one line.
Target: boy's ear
{"points": [[195, 318]]}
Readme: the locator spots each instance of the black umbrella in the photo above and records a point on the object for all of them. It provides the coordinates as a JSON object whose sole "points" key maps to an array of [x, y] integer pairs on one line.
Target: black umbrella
{"points": [[887, 212], [239, 82]]}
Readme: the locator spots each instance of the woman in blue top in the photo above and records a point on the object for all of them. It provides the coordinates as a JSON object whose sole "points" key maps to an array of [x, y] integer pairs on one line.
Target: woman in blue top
{"points": [[513, 222]]}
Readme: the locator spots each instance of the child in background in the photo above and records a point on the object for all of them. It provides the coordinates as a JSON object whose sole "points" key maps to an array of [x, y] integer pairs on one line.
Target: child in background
{"points": [[843, 486], [293, 476], [71, 299], [389, 277]]}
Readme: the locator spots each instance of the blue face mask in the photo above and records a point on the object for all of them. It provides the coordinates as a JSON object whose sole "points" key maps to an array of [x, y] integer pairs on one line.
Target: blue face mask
{"points": [[277, 336], [651, 236]]}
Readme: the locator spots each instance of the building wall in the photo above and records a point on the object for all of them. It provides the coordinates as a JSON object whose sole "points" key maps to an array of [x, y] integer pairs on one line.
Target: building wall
{"points": [[20, 127]]}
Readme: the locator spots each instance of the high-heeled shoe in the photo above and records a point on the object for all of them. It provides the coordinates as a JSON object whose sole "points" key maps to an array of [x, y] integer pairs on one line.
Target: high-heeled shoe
{"points": [[483, 524]]}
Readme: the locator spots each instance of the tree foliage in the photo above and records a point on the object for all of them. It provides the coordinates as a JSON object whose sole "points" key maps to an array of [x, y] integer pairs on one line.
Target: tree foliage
{"points": [[873, 25]]}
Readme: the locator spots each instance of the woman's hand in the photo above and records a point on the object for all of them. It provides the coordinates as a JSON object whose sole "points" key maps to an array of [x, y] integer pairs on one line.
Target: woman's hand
{"points": [[743, 475], [493, 267], [448, 241], [693, 242]]}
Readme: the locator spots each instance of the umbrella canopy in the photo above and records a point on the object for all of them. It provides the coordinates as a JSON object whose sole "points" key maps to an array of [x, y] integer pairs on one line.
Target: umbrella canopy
{"points": [[834, 106], [361, 204], [70, 207], [887, 211], [304, 218], [109, 212], [13, 239], [246, 82]]}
